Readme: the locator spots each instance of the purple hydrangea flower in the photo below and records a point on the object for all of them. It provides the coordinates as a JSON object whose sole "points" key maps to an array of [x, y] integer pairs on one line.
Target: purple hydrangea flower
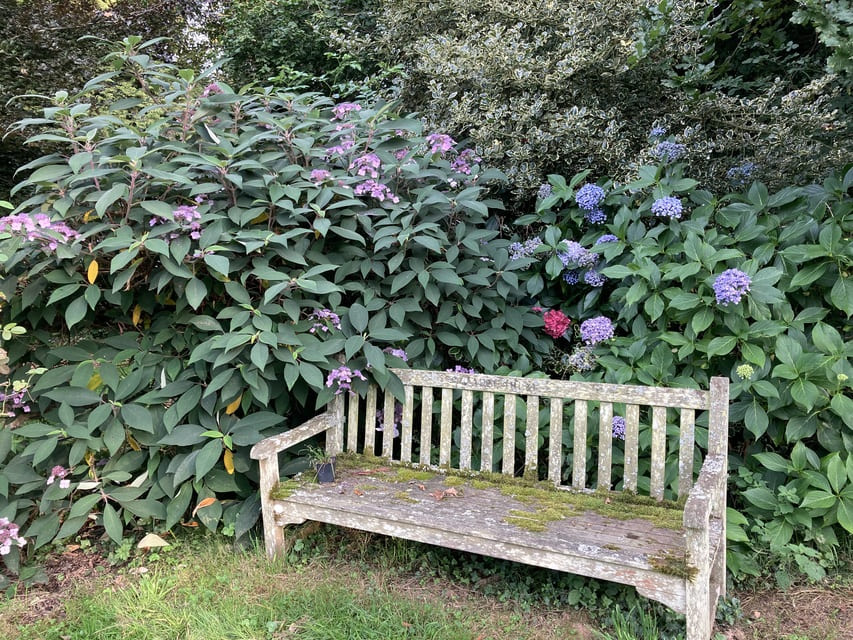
{"points": [[596, 330], [669, 151], [668, 207], [366, 165], [461, 369], [59, 473], [440, 142], [739, 176], [343, 109], [324, 320], [595, 216], [657, 132], [574, 252], [462, 163], [589, 196], [398, 419], [343, 377], [399, 353], [607, 237], [376, 190], [619, 427], [518, 250], [320, 175], [545, 191], [571, 277], [730, 286], [582, 359], [38, 227], [340, 149], [9, 535], [594, 279]]}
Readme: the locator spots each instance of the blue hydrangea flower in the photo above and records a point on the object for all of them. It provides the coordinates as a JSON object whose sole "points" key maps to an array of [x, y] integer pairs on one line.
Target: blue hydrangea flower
{"points": [[595, 216], [574, 252], [730, 286], [589, 196], [739, 176], [588, 259], [619, 427], [668, 207], [669, 151], [582, 359], [518, 250], [594, 279], [596, 330], [544, 191], [607, 237], [657, 132], [571, 277]]}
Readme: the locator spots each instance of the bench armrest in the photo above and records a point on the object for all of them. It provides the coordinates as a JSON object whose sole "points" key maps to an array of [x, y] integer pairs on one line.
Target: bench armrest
{"points": [[709, 490], [269, 447]]}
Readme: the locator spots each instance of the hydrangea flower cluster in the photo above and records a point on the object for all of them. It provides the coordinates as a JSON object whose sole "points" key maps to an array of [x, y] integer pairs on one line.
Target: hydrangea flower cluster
{"points": [[572, 276], [376, 190], [211, 89], [556, 323], [440, 143], [462, 163], [342, 110], [398, 419], [607, 237], [582, 359], [619, 427], [59, 473], [589, 196], [343, 377], [398, 353], [594, 279], [16, 399], [9, 535], [596, 330], [461, 369], [669, 151], [187, 217], [730, 286], [744, 372], [595, 216], [340, 149], [324, 320], [518, 250], [657, 132], [545, 191], [739, 176], [577, 259], [668, 207], [38, 227], [320, 175], [366, 165]]}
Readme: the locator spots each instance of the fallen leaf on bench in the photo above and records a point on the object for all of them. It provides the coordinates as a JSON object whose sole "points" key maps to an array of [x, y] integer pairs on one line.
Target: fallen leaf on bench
{"points": [[418, 485], [438, 494], [358, 492]]}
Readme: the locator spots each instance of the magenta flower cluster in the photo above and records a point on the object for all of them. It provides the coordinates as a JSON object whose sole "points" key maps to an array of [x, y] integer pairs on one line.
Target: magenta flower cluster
{"points": [[324, 321], [38, 227], [343, 376], [59, 473], [596, 330], [320, 175], [730, 286], [16, 399], [9, 535]]}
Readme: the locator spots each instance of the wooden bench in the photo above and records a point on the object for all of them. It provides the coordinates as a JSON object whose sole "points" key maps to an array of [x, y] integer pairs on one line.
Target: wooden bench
{"points": [[480, 492]]}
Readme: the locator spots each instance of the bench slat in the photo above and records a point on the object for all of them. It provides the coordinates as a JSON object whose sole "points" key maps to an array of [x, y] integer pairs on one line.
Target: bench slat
{"points": [[531, 437], [632, 438], [685, 452], [555, 442], [488, 431], [579, 447], [335, 437], [466, 434], [658, 451], [605, 445], [388, 425], [370, 420], [446, 426], [406, 427], [629, 394], [426, 425], [352, 424], [509, 435]]}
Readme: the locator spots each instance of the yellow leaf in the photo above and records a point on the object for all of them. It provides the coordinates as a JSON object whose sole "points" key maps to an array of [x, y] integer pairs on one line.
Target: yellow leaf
{"points": [[201, 505], [231, 408], [137, 313], [94, 382], [133, 443], [228, 459], [86, 215], [92, 273], [261, 218]]}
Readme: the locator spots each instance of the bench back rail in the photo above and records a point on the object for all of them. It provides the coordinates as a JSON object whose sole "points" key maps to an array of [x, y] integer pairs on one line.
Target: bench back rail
{"points": [[436, 401]]}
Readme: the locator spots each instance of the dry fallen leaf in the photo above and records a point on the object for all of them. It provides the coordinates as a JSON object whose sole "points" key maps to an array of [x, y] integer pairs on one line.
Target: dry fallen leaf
{"points": [[451, 492], [358, 492], [152, 540], [201, 505]]}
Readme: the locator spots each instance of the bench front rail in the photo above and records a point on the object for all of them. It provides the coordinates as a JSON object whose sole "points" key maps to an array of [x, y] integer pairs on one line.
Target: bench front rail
{"points": [[474, 423]]}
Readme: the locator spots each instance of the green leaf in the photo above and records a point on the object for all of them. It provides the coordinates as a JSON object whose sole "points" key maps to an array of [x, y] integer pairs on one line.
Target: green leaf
{"points": [[75, 311], [701, 320], [721, 346], [836, 473], [761, 497], [754, 354], [772, 461], [845, 514], [49, 173], [827, 339], [818, 500], [84, 505], [842, 405], [358, 317], [112, 523], [74, 396], [177, 506], [756, 420], [207, 458], [107, 199], [780, 533], [137, 417], [842, 295], [805, 393], [195, 292], [807, 275]]}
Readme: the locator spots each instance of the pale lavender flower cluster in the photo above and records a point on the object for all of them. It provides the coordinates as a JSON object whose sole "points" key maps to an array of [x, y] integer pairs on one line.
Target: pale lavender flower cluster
{"points": [[440, 143], [398, 353], [376, 190], [594, 279], [211, 89], [669, 151], [545, 191], [343, 109], [16, 399], [668, 207], [730, 286], [657, 132], [38, 227], [340, 149], [596, 330], [739, 176], [366, 165], [461, 369], [343, 376], [518, 250], [582, 359], [59, 473], [9, 535], [462, 163], [324, 320], [589, 196], [607, 237], [577, 258], [595, 216], [187, 217], [619, 427], [398, 419], [320, 175]]}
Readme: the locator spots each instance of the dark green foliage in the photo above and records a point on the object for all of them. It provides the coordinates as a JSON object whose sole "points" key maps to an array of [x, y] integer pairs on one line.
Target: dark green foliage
{"points": [[174, 344]]}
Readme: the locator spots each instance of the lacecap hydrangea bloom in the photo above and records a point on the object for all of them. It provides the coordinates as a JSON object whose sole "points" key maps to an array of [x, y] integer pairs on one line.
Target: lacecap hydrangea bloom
{"points": [[589, 196], [730, 286], [518, 250], [460, 369], [582, 359], [545, 191], [668, 207], [596, 330], [9, 535], [439, 143], [397, 353], [343, 376]]}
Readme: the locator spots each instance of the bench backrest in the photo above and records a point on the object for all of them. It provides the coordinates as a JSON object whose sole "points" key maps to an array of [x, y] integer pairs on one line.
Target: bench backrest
{"points": [[471, 422]]}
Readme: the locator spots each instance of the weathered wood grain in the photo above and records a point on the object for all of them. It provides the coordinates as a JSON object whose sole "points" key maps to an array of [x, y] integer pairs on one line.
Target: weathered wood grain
{"points": [[632, 445], [426, 425], [352, 423], [272, 445], [388, 425], [555, 442], [335, 436], [488, 436], [508, 467], [686, 445], [579, 450], [531, 437], [605, 444], [467, 432], [446, 433], [658, 472], [407, 426], [370, 420]]}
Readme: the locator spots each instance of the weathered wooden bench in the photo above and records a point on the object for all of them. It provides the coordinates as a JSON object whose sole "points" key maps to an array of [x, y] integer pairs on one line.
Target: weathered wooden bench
{"points": [[477, 490]]}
